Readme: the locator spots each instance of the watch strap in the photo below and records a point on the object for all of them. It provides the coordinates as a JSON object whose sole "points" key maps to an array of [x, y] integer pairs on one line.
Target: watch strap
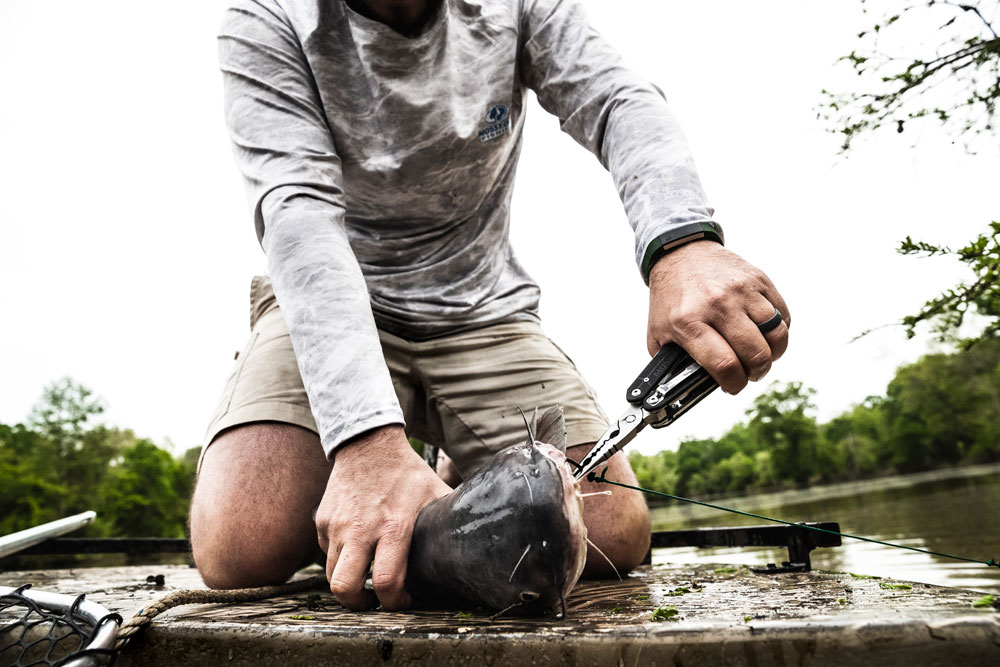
{"points": [[675, 238]]}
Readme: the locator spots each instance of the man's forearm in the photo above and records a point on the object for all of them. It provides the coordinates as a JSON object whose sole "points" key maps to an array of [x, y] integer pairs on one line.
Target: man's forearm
{"points": [[325, 303]]}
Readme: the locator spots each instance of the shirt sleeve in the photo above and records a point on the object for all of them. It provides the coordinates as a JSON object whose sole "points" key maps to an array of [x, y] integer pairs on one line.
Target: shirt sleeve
{"points": [[285, 150], [620, 118]]}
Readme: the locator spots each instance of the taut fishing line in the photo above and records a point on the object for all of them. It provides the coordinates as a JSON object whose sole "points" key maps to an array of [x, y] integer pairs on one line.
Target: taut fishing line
{"points": [[592, 477]]}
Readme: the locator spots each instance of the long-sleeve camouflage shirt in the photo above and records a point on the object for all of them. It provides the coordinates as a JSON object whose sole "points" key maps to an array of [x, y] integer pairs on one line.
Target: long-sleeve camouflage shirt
{"points": [[380, 169]]}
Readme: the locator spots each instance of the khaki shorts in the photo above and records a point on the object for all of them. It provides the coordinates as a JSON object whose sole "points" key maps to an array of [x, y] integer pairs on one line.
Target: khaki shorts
{"points": [[461, 393]]}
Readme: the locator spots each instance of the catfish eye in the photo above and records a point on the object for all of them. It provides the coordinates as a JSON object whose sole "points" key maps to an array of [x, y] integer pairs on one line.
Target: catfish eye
{"points": [[529, 596]]}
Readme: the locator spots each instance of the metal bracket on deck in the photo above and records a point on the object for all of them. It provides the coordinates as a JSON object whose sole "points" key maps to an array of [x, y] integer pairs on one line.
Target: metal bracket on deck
{"points": [[786, 567], [799, 541]]}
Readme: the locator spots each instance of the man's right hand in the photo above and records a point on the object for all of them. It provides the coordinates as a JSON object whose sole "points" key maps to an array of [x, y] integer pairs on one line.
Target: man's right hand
{"points": [[377, 488]]}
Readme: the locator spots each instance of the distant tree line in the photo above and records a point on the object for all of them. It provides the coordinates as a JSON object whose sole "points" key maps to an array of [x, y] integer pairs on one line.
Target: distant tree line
{"points": [[939, 411], [60, 462]]}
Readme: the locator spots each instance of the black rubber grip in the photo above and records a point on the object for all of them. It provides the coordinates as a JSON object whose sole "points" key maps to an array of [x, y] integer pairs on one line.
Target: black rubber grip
{"points": [[654, 372]]}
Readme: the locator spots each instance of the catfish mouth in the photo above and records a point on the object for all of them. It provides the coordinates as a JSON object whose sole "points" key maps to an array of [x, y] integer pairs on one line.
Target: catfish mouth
{"points": [[573, 501]]}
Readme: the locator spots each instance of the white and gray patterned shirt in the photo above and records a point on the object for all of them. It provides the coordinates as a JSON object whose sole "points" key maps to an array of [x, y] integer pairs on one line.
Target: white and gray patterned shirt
{"points": [[380, 169]]}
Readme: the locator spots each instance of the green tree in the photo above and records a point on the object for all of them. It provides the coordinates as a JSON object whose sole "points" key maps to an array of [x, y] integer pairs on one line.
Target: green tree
{"points": [[942, 409], [657, 472], [64, 412], [28, 496], [858, 439], [61, 462], [144, 494], [779, 420], [733, 473], [695, 460], [187, 471], [766, 475], [71, 451]]}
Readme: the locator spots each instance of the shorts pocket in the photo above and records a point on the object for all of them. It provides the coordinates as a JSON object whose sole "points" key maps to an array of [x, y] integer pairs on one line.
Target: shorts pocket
{"points": [[238, 371], [262, 299]]}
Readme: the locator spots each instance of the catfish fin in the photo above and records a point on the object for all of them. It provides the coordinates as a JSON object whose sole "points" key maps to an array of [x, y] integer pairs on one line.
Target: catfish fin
{"points": [[550, 427]]}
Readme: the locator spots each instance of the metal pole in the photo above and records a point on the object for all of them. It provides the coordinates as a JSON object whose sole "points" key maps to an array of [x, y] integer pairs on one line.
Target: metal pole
{"points": [[11, 544]]}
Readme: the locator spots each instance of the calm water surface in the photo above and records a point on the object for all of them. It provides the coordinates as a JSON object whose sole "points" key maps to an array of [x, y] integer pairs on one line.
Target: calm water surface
{"points": [[952, 511]]}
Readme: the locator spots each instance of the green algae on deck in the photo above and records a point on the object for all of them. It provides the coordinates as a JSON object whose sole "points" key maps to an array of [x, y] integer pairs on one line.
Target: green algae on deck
{"points": [[985, 601], [795, 618], [664, 613], [885, 585]]}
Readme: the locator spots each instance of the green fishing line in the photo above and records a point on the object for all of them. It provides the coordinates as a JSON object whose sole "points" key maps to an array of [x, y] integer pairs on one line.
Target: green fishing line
{"points": [[993, 562]]}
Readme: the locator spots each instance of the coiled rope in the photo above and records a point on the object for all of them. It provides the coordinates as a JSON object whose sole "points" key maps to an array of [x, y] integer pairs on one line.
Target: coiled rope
{"points": [[145, 616], [592, 477]]}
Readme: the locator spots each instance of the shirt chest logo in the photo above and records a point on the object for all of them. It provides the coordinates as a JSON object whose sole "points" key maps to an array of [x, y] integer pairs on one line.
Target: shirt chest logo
{"points": [[497, 123]]}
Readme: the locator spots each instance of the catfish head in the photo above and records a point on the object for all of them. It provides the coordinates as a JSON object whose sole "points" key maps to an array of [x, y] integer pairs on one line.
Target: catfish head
{"points": [[512, 536]]}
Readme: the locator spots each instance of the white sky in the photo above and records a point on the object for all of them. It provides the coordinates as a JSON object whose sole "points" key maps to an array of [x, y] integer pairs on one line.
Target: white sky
{"points": [[127, 249]]}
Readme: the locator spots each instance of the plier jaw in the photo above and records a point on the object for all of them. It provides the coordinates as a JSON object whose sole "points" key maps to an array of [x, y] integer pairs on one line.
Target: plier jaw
{"points": [[670, 385], [619, 434]]}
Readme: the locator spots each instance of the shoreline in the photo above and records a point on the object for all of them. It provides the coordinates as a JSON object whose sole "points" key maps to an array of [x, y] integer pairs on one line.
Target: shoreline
{"points": [[766, 499]]}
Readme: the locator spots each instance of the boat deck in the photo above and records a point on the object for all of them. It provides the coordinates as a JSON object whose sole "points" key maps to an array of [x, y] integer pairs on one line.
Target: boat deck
{"points": [[724, 616]]}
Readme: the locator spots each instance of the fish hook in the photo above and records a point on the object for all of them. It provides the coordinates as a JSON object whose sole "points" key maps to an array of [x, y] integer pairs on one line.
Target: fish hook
{"points": [[592, 476]]}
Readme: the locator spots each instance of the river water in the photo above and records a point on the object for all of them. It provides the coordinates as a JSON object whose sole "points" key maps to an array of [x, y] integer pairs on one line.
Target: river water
{"points": [[955, 511]]}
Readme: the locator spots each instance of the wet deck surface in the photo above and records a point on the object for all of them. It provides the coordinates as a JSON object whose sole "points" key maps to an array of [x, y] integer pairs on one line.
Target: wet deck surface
{"points": [[724, 615]]}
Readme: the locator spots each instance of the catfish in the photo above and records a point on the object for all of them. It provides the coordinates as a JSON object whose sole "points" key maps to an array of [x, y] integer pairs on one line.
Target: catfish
{"points": [[509, 538]]}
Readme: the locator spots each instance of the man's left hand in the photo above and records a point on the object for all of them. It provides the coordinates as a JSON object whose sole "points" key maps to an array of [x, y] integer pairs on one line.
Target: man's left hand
{"points": [[709, 301]]}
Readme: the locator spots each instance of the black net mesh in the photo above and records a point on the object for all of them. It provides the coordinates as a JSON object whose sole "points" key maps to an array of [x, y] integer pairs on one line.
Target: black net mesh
{"points": [[31, 635]]}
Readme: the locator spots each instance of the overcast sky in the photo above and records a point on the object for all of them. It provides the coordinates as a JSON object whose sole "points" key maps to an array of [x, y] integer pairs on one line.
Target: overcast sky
{"points": [[127, 247]]}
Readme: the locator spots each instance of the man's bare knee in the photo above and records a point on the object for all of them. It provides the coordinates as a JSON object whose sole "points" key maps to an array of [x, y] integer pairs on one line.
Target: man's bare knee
{"points": [[618, 525], [447, 471], [233, 563], [621, 534], [251, 515]]}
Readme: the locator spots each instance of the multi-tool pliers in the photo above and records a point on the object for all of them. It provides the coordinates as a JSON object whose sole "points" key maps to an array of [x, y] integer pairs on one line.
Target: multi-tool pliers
{"points": [[670, 385]]}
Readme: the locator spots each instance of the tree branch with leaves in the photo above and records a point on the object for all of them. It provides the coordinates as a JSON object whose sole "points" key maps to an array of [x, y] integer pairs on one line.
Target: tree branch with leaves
{"points": [[947, 312], [954, 77]]}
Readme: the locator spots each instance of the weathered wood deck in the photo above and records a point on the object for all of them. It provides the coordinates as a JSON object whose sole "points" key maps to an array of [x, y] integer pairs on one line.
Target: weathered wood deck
{"points": [[725, 616]]}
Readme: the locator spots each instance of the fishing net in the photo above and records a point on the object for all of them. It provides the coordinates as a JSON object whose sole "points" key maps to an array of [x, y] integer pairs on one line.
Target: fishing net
{"points": [[41, 628], [38, 628]]}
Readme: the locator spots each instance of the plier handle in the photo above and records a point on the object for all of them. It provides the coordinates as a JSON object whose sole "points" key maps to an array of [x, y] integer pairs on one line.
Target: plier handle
{"points": [[670, 385]]}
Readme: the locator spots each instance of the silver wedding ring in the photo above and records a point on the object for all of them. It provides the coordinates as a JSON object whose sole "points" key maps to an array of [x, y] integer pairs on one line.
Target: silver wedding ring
{"points": [[772, 323]]}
